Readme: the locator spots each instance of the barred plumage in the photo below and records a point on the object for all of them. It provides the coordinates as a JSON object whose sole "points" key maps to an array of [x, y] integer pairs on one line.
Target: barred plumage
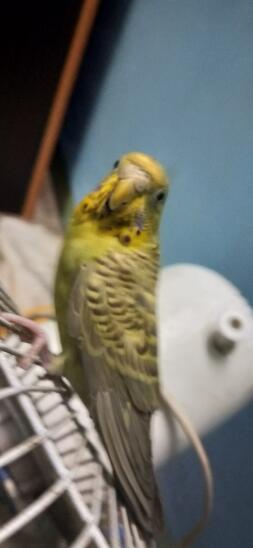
{"points": [[105, 302]]}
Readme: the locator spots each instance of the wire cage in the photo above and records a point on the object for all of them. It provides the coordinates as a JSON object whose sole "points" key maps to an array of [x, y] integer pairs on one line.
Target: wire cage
{"points": [[56, 482]]}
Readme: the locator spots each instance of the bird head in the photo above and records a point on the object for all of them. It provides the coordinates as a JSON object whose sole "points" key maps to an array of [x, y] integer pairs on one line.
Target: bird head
{"points": [[130, 200]]}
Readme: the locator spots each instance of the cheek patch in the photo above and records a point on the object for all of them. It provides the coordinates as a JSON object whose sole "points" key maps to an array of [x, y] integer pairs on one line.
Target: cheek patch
{"points": [[125, 238]]}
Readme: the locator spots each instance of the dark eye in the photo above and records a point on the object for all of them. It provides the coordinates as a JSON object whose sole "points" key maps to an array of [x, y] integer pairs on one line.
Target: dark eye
{"points": [[160, 196], [115, 165]]}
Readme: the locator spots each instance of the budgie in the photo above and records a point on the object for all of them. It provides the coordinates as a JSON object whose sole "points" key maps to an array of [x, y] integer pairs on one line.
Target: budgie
{"points": [[105, 306]]}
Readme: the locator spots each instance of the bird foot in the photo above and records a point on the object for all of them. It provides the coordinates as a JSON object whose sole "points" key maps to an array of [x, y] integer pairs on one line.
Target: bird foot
{"points": [[33, 333]]}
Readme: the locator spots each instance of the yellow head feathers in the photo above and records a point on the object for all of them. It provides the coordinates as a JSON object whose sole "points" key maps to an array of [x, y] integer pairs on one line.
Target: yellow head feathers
{"points": [[131, 196]]}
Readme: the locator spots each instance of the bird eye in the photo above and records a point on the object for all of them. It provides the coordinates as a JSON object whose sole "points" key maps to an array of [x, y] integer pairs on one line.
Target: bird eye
{"points": [[115, 165], [160, 196]]}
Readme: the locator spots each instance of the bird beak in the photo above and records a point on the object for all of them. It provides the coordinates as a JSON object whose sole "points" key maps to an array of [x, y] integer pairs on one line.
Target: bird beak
{"points": [[122, 194]]}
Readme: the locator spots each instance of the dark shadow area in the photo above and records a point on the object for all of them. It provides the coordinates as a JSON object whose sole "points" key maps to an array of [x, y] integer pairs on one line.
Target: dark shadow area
{"points": [[98, 56], [34, 40]]}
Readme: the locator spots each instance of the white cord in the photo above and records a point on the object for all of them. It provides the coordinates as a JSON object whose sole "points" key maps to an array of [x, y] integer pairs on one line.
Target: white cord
{"points": [[170, 404]]}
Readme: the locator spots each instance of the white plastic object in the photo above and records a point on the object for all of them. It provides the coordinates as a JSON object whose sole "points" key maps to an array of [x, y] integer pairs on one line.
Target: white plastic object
{"points": [[197, 307]]}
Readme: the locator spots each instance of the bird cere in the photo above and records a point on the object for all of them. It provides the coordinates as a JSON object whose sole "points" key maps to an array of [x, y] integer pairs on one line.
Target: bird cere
{"points": [[105, 306]]}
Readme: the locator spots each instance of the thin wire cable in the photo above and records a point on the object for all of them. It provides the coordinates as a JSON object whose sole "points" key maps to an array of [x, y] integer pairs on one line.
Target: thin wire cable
{"points": [[17, 353], [12, 392], [20, 450], [169, 403]]}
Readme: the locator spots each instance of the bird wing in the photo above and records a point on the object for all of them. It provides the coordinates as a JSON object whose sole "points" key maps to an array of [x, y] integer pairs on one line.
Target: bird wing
{"points": [[112, 315]]}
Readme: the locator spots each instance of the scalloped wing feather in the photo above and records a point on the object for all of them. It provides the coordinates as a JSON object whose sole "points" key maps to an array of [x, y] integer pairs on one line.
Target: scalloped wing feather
{"points": [[112, 315]]}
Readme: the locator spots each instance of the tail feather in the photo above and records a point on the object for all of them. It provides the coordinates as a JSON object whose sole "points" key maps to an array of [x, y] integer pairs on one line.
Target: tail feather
{"points": [[126, 434]]}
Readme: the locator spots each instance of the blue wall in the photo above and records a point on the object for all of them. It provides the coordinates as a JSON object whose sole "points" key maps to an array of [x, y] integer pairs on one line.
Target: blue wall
{"points": [[230, 450], [178, 84]]}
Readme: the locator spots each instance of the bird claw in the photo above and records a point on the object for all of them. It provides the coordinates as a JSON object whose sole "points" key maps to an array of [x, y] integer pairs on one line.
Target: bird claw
{"points": [[31, 332]]}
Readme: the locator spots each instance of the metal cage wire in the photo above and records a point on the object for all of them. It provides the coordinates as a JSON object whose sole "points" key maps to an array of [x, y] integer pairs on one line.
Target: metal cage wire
{"points": [[56, 482]]}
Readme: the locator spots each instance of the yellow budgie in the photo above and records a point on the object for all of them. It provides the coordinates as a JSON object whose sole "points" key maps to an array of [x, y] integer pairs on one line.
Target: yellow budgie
{"points": [[105, 305]]}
